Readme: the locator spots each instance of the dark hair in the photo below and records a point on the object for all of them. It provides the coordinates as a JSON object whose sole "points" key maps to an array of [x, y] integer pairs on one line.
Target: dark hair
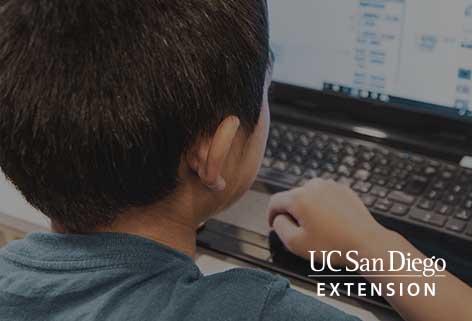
{"points": [[99, 99]]}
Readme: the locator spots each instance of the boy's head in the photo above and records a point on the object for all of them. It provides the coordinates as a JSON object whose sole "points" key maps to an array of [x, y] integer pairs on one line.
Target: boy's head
{"points": [[112, 105]]}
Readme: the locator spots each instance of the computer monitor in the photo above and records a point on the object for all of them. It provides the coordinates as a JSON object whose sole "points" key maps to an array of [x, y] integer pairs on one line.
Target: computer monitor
{"points": [[416, 54]]}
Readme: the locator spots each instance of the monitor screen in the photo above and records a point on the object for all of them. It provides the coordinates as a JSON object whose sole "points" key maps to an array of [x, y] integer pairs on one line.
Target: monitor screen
{"points": [[412, 53]]}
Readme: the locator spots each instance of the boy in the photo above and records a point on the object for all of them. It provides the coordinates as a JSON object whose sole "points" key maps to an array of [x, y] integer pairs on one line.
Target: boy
{"points": [[129, 123]]}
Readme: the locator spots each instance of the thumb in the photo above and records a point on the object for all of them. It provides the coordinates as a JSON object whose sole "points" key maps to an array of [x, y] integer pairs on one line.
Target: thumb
{"points": [[287, 230]]}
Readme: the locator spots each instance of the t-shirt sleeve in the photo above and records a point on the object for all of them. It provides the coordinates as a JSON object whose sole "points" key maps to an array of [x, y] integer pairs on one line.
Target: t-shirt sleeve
{"points": [[285, 304]]}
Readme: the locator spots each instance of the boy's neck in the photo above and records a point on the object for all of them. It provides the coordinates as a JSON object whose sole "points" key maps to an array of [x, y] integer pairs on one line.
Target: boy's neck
{"points": [[173, 233], [168, 229]]}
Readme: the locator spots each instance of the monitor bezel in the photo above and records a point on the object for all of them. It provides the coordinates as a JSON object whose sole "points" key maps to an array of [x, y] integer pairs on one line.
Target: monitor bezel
{"points": [[361, 109]]}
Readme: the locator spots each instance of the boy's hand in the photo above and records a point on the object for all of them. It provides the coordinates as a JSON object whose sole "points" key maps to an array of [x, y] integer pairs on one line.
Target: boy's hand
{"points": [[322, 215]]}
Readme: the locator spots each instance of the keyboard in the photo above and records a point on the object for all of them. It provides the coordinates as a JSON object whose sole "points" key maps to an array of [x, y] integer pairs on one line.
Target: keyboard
{"points": [[430, 194]]}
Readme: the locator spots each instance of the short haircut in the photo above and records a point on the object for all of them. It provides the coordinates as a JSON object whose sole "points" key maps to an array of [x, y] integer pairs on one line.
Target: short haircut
{"points": [[99, 99]]}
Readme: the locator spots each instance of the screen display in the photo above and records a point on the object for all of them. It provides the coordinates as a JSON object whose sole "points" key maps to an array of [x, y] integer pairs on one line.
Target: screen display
{"points": [[413, 53]]}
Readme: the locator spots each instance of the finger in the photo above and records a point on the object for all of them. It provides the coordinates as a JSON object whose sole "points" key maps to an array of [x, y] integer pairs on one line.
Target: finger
{"points": [[287, 231], [280, 203]]}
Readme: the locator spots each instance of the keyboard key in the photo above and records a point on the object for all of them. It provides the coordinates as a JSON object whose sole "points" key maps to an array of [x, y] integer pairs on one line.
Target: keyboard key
{"points": [[332, 158], [302, 151], [311, 133], [455, 225], [383, 161], [451, 199], [319, 144], [456, 189], [443, 209], [417, 159], [447, 175], [427, 217], [417, 184], [267, 162], [349, 161], [433, 195], [440, 185], [399, 186], [290, 137], [382, 170], [429, 170], [464, 215], [451, 168], [344, 170], [399, 164], [283, 156], [363, 187], [318, 155], [401, 197], [368, 200], [468, 204], [379, 191], [314, 164], [295, 170], [398, 173], [273, 143], [383, 205], [378, 180], [349, 150], [367, 155], [298, 159], [367, 166], [362, 175], [334, 148], [280, 166], [289, 148], [304, 140], [274, 132], [399, 209], [426, 204], [328, 167]]}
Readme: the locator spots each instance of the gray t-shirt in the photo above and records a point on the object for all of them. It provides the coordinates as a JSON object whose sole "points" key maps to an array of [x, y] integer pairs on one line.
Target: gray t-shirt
{"points": [[108, 276]]}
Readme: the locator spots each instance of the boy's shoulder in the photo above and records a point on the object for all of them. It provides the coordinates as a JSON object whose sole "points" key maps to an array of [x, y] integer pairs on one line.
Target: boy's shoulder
{"points": [[250, 275], [268, 297], [245, 283], [236, 292]]}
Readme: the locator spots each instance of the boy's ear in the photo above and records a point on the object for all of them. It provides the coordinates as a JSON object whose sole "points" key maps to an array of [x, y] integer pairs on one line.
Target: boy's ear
{"points": [[208, 156]]}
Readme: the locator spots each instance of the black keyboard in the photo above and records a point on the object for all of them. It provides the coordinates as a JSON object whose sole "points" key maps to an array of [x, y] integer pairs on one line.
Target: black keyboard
{"points": [[415, 190]]}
